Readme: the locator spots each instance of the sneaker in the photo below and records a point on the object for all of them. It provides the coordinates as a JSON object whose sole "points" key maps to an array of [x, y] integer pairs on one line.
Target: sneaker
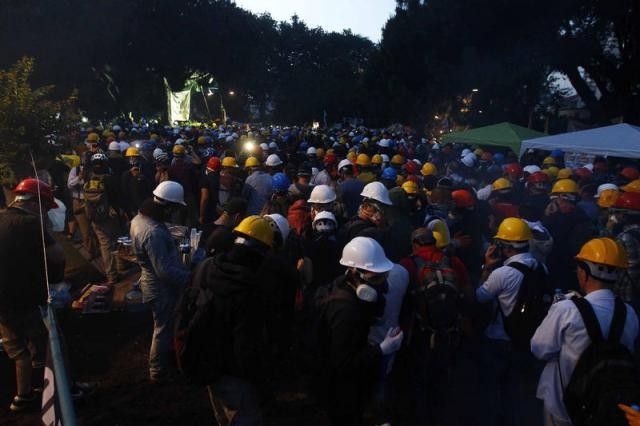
{"points": [[26, 403]]}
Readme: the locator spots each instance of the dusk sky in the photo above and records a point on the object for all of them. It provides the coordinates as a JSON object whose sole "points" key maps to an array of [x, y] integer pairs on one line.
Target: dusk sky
{"points": [[363, 17]]}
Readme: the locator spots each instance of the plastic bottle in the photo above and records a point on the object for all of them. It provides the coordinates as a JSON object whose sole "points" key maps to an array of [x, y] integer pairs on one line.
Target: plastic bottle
{"points": [[558, 295]]}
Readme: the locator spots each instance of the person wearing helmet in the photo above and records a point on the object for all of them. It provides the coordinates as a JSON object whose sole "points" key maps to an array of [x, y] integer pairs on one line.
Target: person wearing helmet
{"points": [[274, 164], [322, 198], [92, 148], [23, 284], [323, 251], [468, 224], [135, 188], [349, 362], [565, 332], [397, 161], [102, 201], [389, 177], [537, 193], [433, 331], [628, 174], [183, 172], [349, 187], [502, 199], [279, 201], [507, 264], [370, 221], [570, 228], [75, 183], [162, 273], [323, 177], [257, 187], [217, 237], [301, 188], [240, 370], [363, 162], [625, 217], [209, 186], [117, 164], [230, 182]]}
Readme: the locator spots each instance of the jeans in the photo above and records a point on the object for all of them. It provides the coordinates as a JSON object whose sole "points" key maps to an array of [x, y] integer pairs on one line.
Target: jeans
{"points": [[235, 402], [163, 309], [107, 234], [507, 374]]}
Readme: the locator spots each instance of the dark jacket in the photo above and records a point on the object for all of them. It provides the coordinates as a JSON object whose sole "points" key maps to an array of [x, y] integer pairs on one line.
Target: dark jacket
{"points": [[237, 323]]}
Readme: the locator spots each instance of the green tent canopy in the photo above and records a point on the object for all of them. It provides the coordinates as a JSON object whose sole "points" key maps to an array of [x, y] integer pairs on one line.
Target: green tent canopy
{"points": [[502, 134]]}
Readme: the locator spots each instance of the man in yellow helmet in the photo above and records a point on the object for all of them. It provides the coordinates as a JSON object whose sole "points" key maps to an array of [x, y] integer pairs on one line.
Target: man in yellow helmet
{"points": [[508, 266], [257, 187], [568, 330]]}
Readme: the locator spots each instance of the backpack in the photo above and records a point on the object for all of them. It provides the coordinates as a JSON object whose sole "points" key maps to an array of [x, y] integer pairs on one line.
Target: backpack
{"points": [[96, 203], [195, 350], [605, 375], [437, 293], [531, 307]]}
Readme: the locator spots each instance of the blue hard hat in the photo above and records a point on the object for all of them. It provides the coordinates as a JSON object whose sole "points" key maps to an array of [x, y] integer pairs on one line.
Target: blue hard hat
{"points": [[280, 182], [498, 157], [557, 153], [149, 145], [303, 146], [389, 174]]}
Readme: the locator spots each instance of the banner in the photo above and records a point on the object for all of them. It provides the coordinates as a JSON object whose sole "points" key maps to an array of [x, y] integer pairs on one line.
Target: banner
{"points": [[178, 104]]}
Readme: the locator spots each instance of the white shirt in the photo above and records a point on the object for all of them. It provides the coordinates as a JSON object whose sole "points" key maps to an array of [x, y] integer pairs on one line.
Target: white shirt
{"points": [[503, 284], [73, 181], [398, 281], [562, 337]]}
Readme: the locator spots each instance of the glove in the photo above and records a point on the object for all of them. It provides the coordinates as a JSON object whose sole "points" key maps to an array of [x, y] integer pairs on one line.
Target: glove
{"points": [[392, 341]]}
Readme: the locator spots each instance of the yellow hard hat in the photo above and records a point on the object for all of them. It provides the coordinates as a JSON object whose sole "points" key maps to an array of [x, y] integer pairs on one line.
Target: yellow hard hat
{"points": [[500, 184], [363, 160], [604, 251], [410, 187], [514, 230], [565, 186], [429, 169], [607, 198], [93, 137], [178, 150], [565, 173], [351, 156], [549, 161], [256, 227], [320, 153], [440, 233], [132, 151], [251, 162], [202, 140], [154, 137], [376, 159], [397, 160], [633, 186], [399, 180], [552, 171], [229, 162], [478, 152]]}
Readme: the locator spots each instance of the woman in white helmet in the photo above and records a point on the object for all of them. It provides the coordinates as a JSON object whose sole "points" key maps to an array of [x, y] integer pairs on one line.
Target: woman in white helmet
{"points": [[350, 364]]}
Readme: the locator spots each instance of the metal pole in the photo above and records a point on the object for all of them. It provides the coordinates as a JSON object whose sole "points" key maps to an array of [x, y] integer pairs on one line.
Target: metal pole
{"points": [[206, 103]]}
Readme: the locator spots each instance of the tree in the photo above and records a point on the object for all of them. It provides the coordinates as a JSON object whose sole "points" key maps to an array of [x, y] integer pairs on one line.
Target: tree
{"points": [[27, 116]]}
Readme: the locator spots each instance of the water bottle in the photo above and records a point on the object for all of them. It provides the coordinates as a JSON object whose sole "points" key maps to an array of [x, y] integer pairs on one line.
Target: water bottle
{"points": [[558, 295]]}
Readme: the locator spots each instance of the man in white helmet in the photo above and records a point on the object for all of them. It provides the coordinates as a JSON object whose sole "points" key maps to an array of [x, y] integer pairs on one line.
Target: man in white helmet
{"points": [[163, 274], [350, 364], [371, 219]]}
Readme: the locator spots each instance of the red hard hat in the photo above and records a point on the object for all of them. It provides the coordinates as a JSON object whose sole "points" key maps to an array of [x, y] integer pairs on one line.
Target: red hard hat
{"points": [[628, 201], [411, 167], [213, 164], [330, 159], [630, 173], [583, 173], [463, 199], [538, 177], [486, 156], [32, 186], [513, 169], [413, 178]]}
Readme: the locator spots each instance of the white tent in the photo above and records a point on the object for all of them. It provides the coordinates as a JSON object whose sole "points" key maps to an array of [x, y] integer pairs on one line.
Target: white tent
{"points": [[619, 140]]}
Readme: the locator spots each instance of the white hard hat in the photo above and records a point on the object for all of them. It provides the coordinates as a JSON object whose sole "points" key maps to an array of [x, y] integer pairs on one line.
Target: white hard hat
{"points": [[324, 215], [170, 191], [418, 162], [435, 146], [114, 146], [344, 163], [385, 158], [384, 143], [367, 254], [229, 139], [465, 152], [322, 194], [606, 187], [123, 145], [469, 160], [157, 151], [589, 166], [179, 141], [281, 224], [531, 169], [116, 128], [377, 191], [264, 146], [273, 160], [351, 134], [273, 145], [311, 151]]}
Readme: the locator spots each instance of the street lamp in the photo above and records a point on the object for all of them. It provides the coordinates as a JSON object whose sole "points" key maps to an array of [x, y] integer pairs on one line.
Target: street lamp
{"points": [[475, 90], [231, 93]]}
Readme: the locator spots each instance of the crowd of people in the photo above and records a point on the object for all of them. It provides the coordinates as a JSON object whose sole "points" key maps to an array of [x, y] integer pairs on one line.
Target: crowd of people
{"points": [[338, 251]]}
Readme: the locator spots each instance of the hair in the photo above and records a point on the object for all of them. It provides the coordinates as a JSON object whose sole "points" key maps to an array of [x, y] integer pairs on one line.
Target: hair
{"points": [[529, 212]]}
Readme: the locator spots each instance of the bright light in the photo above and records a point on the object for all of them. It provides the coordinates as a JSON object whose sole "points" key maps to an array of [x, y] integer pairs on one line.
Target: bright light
{"points": [[231, 92], [315, 125], [474, 90], [249, 146], [85, 120], [441, 131], [480, 111], [436, 117]]}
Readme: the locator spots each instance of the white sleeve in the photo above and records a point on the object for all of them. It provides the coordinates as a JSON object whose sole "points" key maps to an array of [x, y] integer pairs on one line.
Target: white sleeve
{"points": [[547, 340]]}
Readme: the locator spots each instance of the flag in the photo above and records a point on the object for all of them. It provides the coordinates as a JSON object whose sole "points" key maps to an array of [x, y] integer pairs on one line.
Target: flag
{"points": [[50, 403]]}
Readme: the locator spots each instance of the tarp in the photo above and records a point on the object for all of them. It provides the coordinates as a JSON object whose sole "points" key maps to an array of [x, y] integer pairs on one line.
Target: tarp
{"points": [[618, 140], [505, 134], [178, 104]]}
